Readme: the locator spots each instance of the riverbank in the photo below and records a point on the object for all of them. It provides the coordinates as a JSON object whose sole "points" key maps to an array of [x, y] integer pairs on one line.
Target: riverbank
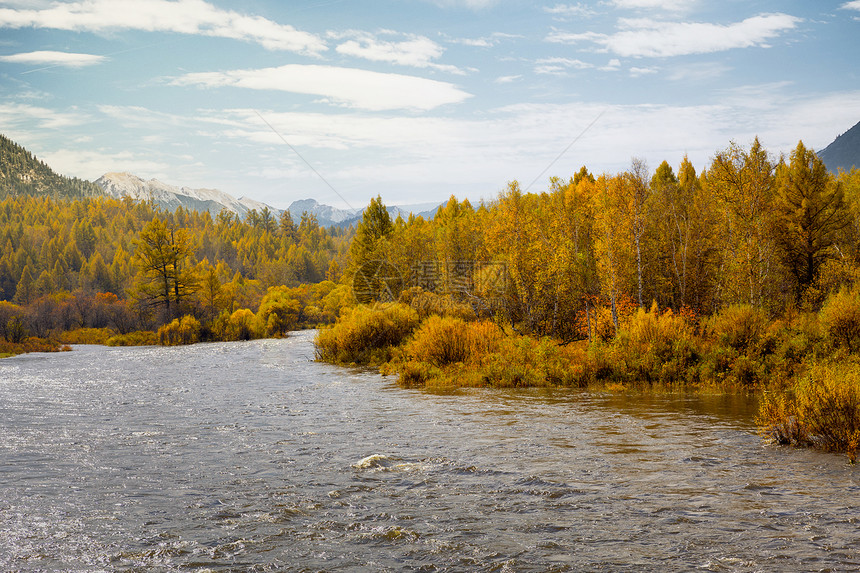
{"points": [[804, 365]]}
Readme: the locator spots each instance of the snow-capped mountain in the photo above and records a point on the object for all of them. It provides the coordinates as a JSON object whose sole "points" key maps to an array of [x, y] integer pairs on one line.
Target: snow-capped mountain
{"points": [[120, 185], [169, 197], [325, 214]]}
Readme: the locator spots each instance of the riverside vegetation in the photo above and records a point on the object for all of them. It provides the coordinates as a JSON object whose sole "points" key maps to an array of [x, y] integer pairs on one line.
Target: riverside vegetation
{"points": [[741, 279]]}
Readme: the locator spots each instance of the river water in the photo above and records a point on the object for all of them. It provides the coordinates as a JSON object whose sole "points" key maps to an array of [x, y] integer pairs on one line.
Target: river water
{"points": [[252, 457]]}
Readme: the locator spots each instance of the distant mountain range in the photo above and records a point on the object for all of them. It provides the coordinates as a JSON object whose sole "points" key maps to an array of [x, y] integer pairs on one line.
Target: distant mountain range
{"points": [[169, 197], [119, 185], [844, 152]]}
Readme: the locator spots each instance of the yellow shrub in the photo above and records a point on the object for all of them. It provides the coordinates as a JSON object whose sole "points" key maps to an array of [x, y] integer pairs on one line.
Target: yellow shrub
{"points": [[241, 325], [739, 326], [841, 319], [137, 338], [442, 341], [647, 330], [366, 334], [180, 331], [824, 411], [87, 336]]}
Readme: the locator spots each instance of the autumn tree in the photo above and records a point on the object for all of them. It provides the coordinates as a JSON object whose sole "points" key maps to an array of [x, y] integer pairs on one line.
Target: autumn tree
{"points": [[638, 190], [682, 246], [163, 256], [742, 182], [810, 212], [614, 252], [373, 275]]}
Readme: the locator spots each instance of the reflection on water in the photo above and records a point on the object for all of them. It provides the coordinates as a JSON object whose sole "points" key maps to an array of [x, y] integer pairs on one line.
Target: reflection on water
{"points": [[251, 457]]}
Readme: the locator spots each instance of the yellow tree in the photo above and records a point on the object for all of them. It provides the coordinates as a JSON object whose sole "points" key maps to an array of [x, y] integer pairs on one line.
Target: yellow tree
{"points": [[163, 257], [810, 212], [683, 250], [742, 181], [613, 247], [637, 189]]}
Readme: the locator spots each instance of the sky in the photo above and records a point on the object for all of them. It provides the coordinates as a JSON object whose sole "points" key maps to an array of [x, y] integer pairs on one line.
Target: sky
{"points": [[417, 100]]}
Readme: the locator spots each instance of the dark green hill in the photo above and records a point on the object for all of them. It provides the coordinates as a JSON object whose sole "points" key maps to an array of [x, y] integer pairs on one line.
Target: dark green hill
{"points": [[844, 152], [21, 173]]}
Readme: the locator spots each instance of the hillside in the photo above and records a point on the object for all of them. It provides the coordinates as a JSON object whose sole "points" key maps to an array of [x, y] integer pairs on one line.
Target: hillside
{"points": [[21, 173], [844, 152]]}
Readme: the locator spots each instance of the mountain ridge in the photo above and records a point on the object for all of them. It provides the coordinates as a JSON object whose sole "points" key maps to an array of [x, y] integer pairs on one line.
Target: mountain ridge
{"points": [[170, 197], [21, 172], [844, 152]]}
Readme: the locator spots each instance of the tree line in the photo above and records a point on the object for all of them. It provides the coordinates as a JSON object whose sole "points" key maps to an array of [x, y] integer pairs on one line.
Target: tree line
{"points": [[776, 233], [108, 263]]}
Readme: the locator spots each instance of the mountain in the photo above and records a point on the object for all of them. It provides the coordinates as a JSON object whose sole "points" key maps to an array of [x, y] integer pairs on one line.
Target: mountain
{"points": [[329, 216], [22, 173], [169, 197], [844, 152], [325, 214], [120, 185], [426, 210]]}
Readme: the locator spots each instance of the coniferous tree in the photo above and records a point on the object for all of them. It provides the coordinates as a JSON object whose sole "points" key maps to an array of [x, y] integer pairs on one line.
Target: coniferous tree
{"points": [[810, 212]]}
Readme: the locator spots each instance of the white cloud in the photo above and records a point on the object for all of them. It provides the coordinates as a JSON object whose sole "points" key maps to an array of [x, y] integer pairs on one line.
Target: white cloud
{"points": [[92, 164], [50, 58], [698, 72], [637, 72], [559, 66], [347, 87], [570, 11], [13, 114], [486, 41], [417, 51], [853, 5], [179, 16], [644, 37], [612, 65], [507, 79]]}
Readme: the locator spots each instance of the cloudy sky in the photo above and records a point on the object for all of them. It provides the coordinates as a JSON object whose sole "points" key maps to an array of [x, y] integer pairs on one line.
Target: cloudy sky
{"points": [[416, 100]]}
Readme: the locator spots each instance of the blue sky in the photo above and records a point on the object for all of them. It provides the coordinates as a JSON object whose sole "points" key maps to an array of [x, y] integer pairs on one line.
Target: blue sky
{"points": [[416, 100]]}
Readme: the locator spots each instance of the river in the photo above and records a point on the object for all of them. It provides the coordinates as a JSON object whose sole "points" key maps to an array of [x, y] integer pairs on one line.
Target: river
{"points": [[252, 457]]}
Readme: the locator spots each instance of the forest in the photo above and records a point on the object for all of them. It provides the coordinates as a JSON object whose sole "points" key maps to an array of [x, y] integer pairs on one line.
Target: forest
{"points": [[85, 270], [741, 278]]}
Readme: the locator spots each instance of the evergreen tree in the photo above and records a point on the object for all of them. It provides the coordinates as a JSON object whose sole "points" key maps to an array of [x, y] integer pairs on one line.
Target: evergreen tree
{"points": [[810, 211]]}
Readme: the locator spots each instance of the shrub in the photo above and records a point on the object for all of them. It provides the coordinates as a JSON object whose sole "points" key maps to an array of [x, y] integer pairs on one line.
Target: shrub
{"points": [[448, 352], [443, 341], [823, 412], [654, 347], [738, 326], [366, 334], [87, 336], [279, 312], [841, 319], [180, 331], [429, 304], [440, 341], [137, 338], [241, 325]]}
